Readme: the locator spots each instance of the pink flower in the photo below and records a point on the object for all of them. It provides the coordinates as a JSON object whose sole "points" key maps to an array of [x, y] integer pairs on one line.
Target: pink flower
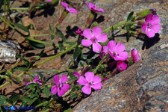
{"points": [[135, 55], [35, 80], [61, 86], [89, 81], [93, 7], [69, 9], [121, 66], [151, 25], [117, 51], [93, 38]]}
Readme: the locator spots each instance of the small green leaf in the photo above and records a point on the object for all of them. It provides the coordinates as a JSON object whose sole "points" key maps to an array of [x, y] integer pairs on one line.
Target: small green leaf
{"points": [[3, 100], [143, 14], [36, 45], [20, 26], [77, 53], [130, 16], [68, 110], [46, 91], [59, 32]]}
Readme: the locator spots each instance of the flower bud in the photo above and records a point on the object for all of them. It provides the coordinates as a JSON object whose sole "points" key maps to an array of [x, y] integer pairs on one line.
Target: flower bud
{"points": [[121, 66], [135, 55]]}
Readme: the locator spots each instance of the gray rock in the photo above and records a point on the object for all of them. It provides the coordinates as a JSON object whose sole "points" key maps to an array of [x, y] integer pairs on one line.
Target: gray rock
{"points": [[143, 87]]}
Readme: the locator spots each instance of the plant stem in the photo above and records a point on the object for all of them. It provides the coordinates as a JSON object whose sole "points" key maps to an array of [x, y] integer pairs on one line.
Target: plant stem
{"points": [[19, 8], [115, 26], [100, 63], [57, 55]]}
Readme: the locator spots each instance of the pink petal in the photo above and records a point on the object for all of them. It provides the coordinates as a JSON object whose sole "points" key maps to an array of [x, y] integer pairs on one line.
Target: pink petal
{"points": [[100, 10], [86, 90], [89, 76], [96, 31], [90, 5], [63, 90], [105, 50], [87, 33], [97, 47], [71, 10], [96, 79], [156, 28], [54, 89], [144, 27], [111, 45], [122, 56], [76, 74], [135, 55], [121, 66], [150, 32], [86, 43], [64, 4], [102, 38], [97, 86], [63, 78], [120, 47], [56, 79], [82, 81]]}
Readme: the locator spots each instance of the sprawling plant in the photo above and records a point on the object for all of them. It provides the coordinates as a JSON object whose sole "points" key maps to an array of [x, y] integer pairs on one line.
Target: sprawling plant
{"points": [[95, 57]]}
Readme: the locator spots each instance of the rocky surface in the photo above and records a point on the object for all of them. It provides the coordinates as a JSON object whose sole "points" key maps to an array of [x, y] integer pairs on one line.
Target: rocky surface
{"points": [[143, 87]]}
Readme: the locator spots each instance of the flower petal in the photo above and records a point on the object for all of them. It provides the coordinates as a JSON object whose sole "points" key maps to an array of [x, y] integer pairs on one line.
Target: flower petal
{"points": [[87, 33], [97, 47], [64, 4], [63, 78], [63, 90], [97, 86], [120, 47], [71, 10], [54, 89], [82, 81], [76, 74], [86, 43], [89, 76], [100, 10], [111, 45], [96, 79], [96, 31], [102, 38], [121, 57], [86, 89], [90, 5], [156, 28], [56, 79]]}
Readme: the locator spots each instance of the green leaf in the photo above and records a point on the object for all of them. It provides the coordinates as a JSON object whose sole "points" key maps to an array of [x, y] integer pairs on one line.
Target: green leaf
{"points": [[143, 14], [130, 16], [3, 100], [46, 91], [36, 45], [14, 98], [20, 26], [68, 110], [59, 32], [77, 53]]}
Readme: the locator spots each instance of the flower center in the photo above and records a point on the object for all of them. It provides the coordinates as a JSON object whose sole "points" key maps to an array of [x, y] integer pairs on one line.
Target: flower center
{"points": [[149, 26], [115, 54], [94, 40]]}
